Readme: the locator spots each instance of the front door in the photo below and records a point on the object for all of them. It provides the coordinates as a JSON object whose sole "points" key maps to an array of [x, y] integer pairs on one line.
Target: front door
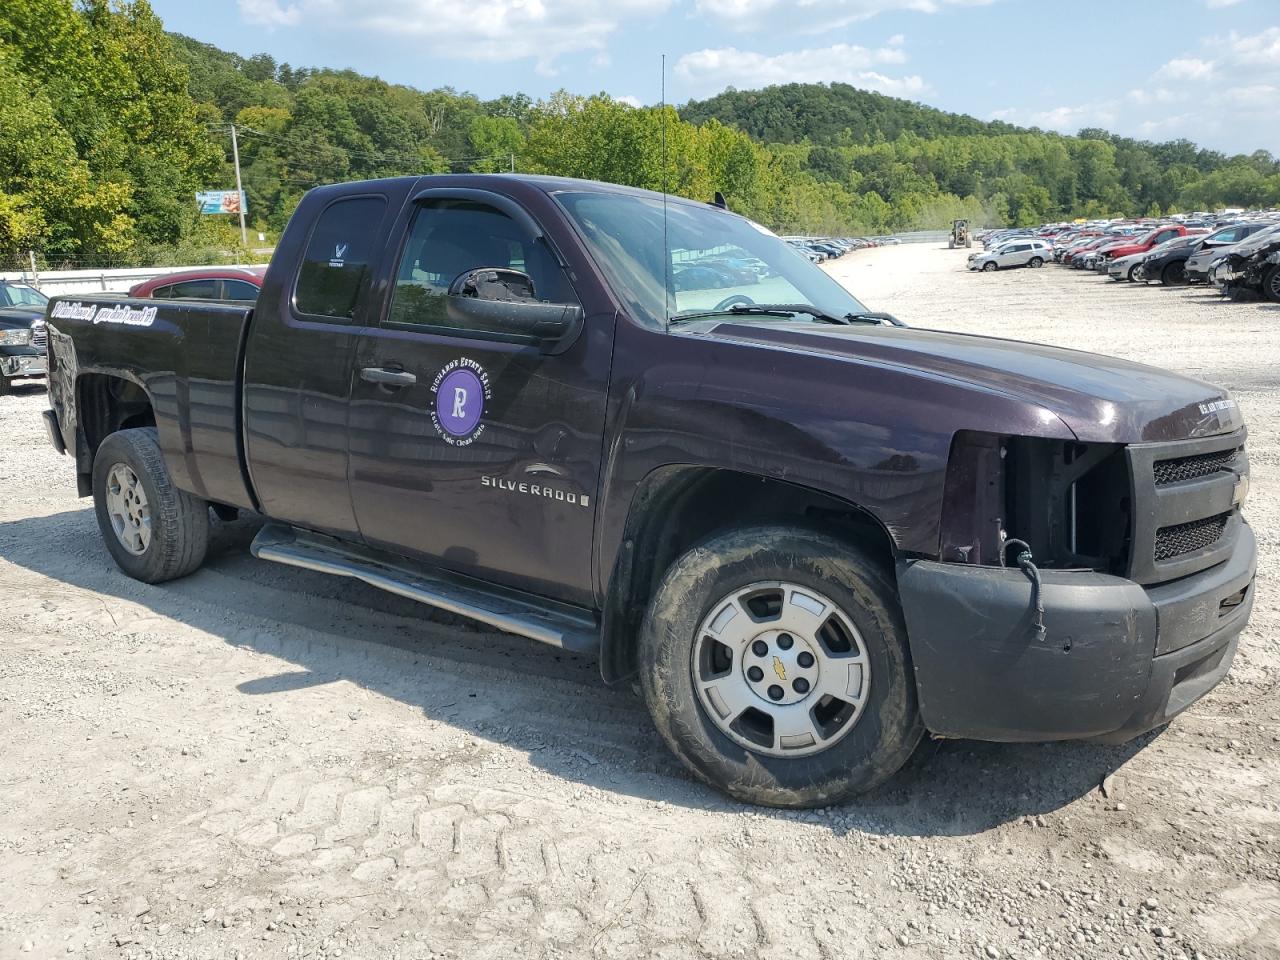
{"points": [[469, 449]]}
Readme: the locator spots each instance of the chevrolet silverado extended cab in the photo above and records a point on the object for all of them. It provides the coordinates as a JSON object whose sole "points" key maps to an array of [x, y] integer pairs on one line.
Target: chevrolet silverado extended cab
{"points": [[813, 533]]}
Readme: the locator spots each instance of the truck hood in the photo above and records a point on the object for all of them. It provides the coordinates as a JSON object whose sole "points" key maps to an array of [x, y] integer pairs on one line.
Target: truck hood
{"points": [[11, 317], [1100, 398]]}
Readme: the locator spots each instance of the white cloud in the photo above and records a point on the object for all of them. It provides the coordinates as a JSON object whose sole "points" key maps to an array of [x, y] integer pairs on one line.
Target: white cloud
{"points": [[630, 101], [269, 13], [1069, 119], [752, 14], [1186, 68], [1262, 50], [709, 71], [1219, 95], [484, 30]]}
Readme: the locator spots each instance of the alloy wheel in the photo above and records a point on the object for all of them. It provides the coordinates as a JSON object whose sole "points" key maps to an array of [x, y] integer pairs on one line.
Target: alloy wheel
{"points": [[128, 509], [780, 669]]}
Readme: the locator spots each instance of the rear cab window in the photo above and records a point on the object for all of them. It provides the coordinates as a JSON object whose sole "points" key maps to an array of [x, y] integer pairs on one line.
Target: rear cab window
{"points": [[338, 264]]}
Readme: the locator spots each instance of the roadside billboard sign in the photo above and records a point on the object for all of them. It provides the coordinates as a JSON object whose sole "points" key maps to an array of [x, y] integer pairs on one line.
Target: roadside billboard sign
{"points": [[222, 201]]}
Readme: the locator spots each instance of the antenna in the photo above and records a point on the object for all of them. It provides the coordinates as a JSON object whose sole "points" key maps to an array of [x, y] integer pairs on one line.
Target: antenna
{"points": [[666, 244]]}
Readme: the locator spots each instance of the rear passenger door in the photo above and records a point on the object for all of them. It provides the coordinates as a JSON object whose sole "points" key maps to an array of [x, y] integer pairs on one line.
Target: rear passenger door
{"points": [[298, 363], [469, 449]]}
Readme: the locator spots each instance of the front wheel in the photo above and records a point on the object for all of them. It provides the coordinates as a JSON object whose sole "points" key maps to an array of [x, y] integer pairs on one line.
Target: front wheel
{"points": [[1175, 274], [154, 531], [1035, 262], [774, 662], [1271, 284], [988, 267]]}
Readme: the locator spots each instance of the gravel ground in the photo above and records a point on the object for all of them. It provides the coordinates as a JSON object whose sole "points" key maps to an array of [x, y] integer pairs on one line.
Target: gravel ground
{"points": [[262, 762]]}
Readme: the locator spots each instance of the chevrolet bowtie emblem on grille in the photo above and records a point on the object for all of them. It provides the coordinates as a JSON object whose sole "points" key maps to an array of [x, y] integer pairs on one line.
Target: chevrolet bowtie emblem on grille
{"points": [[779, 669]]}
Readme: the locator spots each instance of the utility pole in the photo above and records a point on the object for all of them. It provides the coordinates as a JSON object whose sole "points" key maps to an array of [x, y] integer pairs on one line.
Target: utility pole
{"points": [[235, 154]]}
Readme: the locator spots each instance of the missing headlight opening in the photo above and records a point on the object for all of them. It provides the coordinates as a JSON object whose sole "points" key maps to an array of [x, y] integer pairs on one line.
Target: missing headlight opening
{"points": [[1070, 502]]}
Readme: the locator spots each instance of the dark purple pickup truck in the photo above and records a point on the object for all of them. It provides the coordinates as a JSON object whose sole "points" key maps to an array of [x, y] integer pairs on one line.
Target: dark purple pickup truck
{"points": [[651, 431]]}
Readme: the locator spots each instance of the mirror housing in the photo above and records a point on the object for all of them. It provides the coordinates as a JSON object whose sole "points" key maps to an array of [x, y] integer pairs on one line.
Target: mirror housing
{"points": [[501, 303]]}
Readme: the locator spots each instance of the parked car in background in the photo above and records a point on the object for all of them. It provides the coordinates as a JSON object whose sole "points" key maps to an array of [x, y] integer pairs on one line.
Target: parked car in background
{"points": [[22, 333], [1231, 272], [211, 283], [1217, 245], [1260, 272], [1167, 262], [1144, 243], [1022, 253]]}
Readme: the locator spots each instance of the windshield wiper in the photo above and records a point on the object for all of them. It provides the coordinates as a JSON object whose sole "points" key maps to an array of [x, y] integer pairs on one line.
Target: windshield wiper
{"points": [[790, 309]]}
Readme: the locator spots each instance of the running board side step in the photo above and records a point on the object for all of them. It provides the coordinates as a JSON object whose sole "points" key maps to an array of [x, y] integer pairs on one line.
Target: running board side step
{"points": [[556, 624]]}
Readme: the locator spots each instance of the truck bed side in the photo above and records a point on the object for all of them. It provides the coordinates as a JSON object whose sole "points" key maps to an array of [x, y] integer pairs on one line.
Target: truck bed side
{"points": [[118, 363]]}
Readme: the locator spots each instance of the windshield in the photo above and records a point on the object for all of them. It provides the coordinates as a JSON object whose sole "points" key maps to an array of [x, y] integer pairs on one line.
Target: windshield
{"points": [[20, 295], [715, 259]]}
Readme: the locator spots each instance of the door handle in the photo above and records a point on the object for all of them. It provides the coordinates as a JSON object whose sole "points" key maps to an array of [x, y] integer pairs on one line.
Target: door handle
{"points": [[387, 377]]}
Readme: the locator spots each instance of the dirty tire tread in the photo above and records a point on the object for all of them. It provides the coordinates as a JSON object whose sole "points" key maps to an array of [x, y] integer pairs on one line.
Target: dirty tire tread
{"points": [[884, 736], [179, 520]]}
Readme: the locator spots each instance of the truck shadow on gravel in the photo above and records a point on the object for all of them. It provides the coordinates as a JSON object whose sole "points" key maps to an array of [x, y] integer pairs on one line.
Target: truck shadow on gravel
{"points": [[531, 698]]}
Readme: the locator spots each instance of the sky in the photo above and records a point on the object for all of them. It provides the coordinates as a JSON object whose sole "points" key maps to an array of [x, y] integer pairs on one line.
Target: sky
{"points": [[1206, 70]]}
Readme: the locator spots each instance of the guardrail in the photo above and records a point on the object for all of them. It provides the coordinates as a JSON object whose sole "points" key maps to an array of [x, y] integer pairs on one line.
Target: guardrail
{"points": [[55, 282]]}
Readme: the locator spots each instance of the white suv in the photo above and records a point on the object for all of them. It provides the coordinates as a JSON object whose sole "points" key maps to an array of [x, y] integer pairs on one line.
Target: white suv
{"points": [[1019, 253]]}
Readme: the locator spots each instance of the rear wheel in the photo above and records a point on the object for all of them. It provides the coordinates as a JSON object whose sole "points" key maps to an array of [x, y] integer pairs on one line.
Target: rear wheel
{"points": [[775, 664], [1174, 274], [153, 530]]}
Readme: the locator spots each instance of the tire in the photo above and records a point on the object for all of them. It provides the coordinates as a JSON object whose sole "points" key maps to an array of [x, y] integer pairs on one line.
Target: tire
{"points": [[988, 267], [1035, 262], [6, 385], [748, 760], [1271, 284], [1174, 274], [1130, 274], [163, 531], [951, 244]]}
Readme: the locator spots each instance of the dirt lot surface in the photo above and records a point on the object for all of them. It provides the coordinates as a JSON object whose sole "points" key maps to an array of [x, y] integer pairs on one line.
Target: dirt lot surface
{"points": [[261, 762]]}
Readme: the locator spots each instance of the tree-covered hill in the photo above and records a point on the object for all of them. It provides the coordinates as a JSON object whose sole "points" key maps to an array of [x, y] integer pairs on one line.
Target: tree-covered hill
{"points": [[111, 125], [833, 114]]}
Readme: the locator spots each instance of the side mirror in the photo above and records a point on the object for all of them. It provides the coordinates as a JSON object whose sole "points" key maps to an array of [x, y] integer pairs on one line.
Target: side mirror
{"points": [[501, 303]]}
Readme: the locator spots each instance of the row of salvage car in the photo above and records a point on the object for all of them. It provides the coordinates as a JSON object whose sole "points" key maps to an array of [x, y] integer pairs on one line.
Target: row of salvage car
{"points": [[1238, 256]]}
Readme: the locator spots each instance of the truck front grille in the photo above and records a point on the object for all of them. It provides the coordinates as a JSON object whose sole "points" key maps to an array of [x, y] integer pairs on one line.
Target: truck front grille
{"points": [[1184, 538], [1186, 515], [1192, 468], [39, 337]]}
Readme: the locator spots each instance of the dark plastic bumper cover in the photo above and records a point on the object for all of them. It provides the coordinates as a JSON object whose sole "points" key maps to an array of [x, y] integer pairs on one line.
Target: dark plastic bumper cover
{"points": [[1100, 673]]}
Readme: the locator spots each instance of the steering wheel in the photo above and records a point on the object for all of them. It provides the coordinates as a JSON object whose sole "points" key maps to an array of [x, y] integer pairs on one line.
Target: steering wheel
{"points": [[728, 302]]}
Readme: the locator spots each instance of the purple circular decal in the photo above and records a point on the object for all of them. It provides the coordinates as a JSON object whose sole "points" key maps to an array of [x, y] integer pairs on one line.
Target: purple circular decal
{"points": [[459, 402]]}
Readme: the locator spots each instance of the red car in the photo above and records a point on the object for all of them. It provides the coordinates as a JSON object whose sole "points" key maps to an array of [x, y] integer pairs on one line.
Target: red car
{"points": [[211, 283], [1156, 237]]}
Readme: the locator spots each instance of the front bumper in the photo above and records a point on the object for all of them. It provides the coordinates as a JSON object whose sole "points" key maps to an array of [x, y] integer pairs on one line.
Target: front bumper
{"points": [[23, 365], [1118, 659]]}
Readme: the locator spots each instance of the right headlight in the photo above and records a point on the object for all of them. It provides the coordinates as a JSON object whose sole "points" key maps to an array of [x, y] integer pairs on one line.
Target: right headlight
{"points": [[15, 338]]}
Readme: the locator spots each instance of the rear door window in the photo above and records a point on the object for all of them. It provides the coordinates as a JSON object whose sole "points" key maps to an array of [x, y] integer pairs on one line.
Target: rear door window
{"points": [[238, 290], [195, 290], [338, 264]]}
